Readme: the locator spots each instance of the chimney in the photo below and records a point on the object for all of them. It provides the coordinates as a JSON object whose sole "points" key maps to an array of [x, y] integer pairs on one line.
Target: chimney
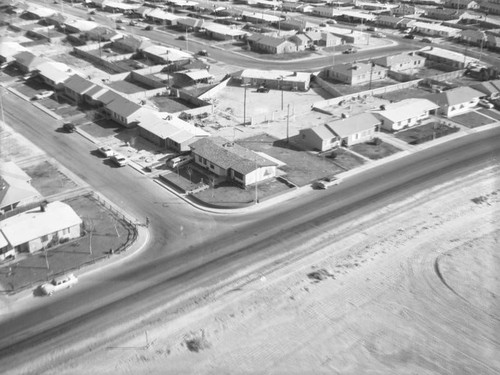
{"points": [[43, 206]]}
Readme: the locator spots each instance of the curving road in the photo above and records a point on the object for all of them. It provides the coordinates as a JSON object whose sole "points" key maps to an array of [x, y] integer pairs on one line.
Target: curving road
{"points": [[191, 248]]}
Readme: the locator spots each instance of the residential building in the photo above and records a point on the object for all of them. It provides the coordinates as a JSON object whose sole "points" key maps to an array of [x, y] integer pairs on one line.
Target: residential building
{"points": [[102, 34], [131, 43], [54, 73], [222, 32], [9, 49], [433, 29], [268, 44], [259, 17], [401, 62], [456, 101], [27, 62], [76, 25], [404, 10], [167, 131], [473, 37], [162, 55], [192, 76], [355, 129], [76, 86], [123, 111], [235, 163], [39, 228], [277, 79], [295, 24], [301, 41], [405, 113], [159, 16], [190, 24], [444, 14], [388, 21], [319, 138], [323, 11], [490, 6], [15, 187], [447, 58], [357, 73]]}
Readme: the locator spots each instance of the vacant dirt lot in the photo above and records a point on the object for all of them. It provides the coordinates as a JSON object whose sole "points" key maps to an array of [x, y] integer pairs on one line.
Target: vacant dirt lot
{"points": [[416, 294]]}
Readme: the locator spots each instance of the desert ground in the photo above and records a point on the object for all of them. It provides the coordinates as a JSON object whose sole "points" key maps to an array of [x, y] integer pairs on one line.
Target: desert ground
{"points": [[415, 293]]}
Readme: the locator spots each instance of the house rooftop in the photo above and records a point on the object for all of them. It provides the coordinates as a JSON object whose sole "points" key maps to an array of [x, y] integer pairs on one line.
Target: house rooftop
{"points": [[78, 84], [123, 107], [407, 109], [456, 96], [15, 185], [229, 155], [358, 68], [354, 124], [36, 223]]}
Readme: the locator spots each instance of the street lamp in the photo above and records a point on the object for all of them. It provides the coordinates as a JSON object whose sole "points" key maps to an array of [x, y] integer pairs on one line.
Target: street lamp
{"points": [[245, 85], [280, 79]]}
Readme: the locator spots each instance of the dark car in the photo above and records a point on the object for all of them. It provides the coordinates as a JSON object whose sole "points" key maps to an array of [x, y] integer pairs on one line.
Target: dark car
{"points": [[69, 127], [203, 52], [148, 28], [350, 50], [426, 40], [263, 89], [409, 36]]}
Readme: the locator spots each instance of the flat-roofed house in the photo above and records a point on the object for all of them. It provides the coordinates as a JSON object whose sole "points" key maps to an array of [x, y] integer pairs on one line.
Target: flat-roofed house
{"points": [[235, 163], [476, 37], [277, 79], [401, 62], [39, 228], [456, 101], [447, 58], [357, 73], [405, 113], [433, 29]]}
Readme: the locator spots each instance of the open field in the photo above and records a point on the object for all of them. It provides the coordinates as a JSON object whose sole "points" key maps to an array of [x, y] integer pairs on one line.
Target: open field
{"points": [[414, 294]]}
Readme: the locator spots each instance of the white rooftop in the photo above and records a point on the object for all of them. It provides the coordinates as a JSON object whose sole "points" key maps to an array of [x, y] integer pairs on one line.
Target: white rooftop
{"points": [[288, 76], [407, 109]]}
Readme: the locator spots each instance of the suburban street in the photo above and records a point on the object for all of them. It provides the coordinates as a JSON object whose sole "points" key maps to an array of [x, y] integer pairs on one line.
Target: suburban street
{"points": [[190, 248]]}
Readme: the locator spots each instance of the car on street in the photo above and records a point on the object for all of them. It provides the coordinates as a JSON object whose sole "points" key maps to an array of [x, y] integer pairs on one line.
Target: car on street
{"points": [[426, 40], [350, 50], [486, 104], [263, 89], [106, 151], [119, 27], [181, 37], [90, 18], [322, 24], [331, 22], [59, 283], [326, 182], [202, 52], [379, 35], [409, 36], [92, 12], [132, 23], [148, 28], [43, 95], [69, 127], [119, 159], [119, 20]]}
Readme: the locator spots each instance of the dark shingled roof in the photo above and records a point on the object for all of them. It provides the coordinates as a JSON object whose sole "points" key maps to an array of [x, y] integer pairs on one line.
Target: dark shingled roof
{"points": [[229, 155]]}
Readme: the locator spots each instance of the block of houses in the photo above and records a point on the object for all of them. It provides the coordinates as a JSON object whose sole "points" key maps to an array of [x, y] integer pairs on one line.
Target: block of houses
{"points": [[447, 58], [9, 49], [276, 79], [123, 111], [388, 21], [38, 228], [76, 86], [456, 101], [54, 73], [490, 89], [102, 34], [189, 24], [474, 37], [345, 132], [162, 55], [15, 187], [167, 131], [433, 29], [461, 4], [406, 23], [405, 113], [269, 44], [357, 73], [401, 62], [259, 17], [27, 62], [231, 161], [38, 12], [76, 25]]}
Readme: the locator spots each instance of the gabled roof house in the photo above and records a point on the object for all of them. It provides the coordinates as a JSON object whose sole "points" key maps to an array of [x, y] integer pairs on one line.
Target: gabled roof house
{"points": [[456, 101]]}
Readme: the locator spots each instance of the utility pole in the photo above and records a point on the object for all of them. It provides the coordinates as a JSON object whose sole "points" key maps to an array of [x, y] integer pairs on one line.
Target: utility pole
{"points": [[287, 124], [245, 85], [371, 74], [256, 182]]}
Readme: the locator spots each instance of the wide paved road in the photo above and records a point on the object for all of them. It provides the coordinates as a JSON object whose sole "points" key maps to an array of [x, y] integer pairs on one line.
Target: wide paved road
{"points": [[190, 248]]}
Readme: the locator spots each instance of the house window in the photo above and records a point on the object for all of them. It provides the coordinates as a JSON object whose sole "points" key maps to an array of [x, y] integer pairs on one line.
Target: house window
{"points": [[45, 238]]}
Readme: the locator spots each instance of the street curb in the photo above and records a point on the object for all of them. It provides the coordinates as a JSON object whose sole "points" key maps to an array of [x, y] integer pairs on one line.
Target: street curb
{"points": [[35, 104]]}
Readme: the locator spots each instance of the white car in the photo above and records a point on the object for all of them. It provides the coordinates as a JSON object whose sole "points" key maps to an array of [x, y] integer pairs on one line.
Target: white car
{"points": [[43, 95], [106, 151], [486, 104], [61, 282], [119, 160]]}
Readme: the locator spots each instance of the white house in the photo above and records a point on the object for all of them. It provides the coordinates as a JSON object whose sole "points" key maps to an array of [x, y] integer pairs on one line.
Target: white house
{"points": [[456, 101], [405, 113], [38, 228], [15, 187], [227, 159]]}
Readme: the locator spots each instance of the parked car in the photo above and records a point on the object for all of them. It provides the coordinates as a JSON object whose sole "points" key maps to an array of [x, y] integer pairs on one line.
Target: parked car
{"points": [[69, 127], [350, 50], [496, 103], [426, 40], [179, 161], [371, 28], [326, 182], [379, 35], [202, 52], [322, 24], [409, 36], [263, 89], [92, 12], [119, 20], [59, 283], [119, 27], [91, 18], [331, 22], [106, 151], [181, 37], [486, 104], [43, 95], [132, 23], [119, 160], [148, 28]]}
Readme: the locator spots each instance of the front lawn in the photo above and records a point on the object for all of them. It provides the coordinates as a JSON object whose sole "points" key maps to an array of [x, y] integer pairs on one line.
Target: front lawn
{"points": [[426, 132], [375, 151], [472, 119]]}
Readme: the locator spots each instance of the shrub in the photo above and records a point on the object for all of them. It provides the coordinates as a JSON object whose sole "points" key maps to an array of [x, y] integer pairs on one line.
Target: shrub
{"points": [[376, 141]]}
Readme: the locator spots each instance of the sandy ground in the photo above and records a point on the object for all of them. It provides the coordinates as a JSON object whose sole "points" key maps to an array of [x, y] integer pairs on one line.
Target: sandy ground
{"points": [[414, 294]]}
